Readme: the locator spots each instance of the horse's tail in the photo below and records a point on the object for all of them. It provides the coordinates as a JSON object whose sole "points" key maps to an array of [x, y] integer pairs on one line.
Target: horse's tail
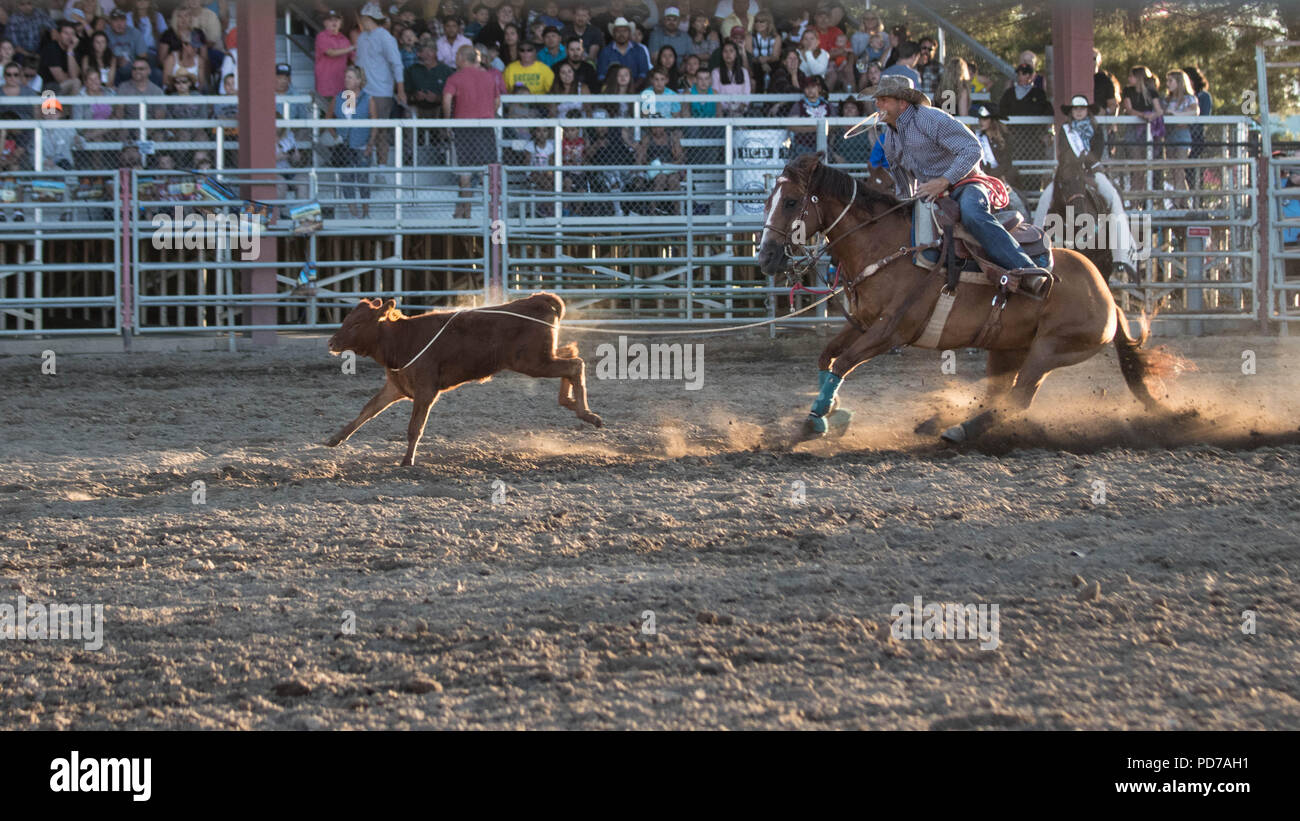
{"points": [[1137, 362]]}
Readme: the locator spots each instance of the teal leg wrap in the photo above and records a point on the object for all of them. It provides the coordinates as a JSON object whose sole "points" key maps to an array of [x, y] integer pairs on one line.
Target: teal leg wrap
{"points": [[829, 384]]}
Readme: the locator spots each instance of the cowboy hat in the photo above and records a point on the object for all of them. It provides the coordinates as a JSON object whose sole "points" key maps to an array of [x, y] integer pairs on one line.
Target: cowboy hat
{"points": [[891, 85], [621, 22], [900, 88], [1078, 101], [982, 112]]}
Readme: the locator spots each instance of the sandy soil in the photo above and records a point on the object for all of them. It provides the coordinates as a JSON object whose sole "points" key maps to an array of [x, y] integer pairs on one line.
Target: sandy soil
{"points": [[527, 611]]}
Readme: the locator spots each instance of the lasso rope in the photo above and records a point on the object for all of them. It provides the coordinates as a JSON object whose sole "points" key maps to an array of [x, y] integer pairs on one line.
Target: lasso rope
{"points": [[621, 331]]}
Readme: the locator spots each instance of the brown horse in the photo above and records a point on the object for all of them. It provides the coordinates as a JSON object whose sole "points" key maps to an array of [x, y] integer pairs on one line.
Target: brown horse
{"points": [[894, 302]]}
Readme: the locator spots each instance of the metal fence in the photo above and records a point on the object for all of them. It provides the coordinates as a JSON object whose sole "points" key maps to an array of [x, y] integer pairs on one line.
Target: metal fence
{"points": [[637, 218]]}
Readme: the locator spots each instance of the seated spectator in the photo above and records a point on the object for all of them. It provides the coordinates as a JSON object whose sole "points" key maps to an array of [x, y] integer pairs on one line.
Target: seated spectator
{"points": [[905, 63], [666, 61], [592, 38], [731, 78], [99, 59], [332, 51], [669, 33], [703, 40], [406, 47], [765, 46], [188, 60], [1024, 99], [197, 16], [787, 77], [508, 50], [26, 27], [56, 143], [425, 81], [552, 52], [126, 43], [1031, 59], [148, 22], [662, 146], [953, 92], [857, 149], [528, 75], [812, 105], [623, 51], [703, 87], [867, 88], [182, 86], [450, 42], [494, 33], [619, 82], [814, 60], [139, 84], [686, 77], [479, 16], [99, 111], [898, 35], [540, 150], [732, 13], [929, 67], [583, 69], [566, 83], [60, 69], [662, 106]]}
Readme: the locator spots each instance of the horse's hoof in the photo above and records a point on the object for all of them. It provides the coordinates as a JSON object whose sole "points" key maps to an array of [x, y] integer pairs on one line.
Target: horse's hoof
{"points": [[814, 427], [955, 435], [837, 422], [593, 419]]}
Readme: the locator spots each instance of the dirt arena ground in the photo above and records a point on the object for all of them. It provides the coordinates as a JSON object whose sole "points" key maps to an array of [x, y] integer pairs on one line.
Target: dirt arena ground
{"points": [[532, 610]]}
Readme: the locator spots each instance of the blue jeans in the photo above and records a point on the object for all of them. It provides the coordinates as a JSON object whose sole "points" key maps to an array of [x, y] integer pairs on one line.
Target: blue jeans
{"points": [[979, 220]]}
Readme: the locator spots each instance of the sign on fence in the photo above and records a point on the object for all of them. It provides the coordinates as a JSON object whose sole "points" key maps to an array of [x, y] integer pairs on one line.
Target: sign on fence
{"points": [[757, 147]]}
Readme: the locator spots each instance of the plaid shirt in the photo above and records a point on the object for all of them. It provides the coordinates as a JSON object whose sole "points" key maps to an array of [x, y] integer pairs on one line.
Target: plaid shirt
{"points": [[25, 30], [927, 143]]}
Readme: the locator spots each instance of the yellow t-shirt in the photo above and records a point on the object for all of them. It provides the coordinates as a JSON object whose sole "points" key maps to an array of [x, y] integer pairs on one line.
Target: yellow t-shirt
{"points": [[537, 77]]}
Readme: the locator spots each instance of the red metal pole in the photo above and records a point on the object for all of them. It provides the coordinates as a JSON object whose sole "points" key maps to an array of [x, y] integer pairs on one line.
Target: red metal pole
{"points": [[1072, 63], [255, 39]]}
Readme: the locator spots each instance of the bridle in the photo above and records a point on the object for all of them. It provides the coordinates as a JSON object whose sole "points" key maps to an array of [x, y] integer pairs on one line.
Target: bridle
{"points": [[811, 257]]}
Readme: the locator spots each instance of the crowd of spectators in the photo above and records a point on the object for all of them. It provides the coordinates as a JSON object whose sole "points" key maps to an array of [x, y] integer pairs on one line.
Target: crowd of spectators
{"points": [[449, 59]]}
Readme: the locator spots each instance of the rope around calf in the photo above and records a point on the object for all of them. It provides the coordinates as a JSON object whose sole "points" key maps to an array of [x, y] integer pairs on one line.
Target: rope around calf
{"points": [[623, 331]]}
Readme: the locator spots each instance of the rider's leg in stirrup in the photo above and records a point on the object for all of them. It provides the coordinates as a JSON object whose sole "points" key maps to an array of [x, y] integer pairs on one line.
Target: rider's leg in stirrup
{"points": [[1120, 233], [979, 220]]}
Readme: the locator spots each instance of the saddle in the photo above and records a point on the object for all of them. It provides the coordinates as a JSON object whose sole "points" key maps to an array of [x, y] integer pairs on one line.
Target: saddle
{"points": [[960, 249]]}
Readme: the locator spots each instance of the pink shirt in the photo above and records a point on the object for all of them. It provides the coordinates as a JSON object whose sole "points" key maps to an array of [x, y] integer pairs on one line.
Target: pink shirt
{"points": [[329, 70], [474, 91]]}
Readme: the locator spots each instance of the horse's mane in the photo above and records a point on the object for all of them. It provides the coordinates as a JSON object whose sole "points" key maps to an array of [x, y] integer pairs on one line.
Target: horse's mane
{"points": [[821, 178]]}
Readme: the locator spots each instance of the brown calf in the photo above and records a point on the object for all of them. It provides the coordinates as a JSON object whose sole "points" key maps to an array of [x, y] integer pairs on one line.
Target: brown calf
{"points": [[473, 345]]}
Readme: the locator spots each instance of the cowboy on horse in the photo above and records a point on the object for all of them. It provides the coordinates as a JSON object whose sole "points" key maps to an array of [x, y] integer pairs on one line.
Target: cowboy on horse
{"points": [[1081, 145], [932, 154]]}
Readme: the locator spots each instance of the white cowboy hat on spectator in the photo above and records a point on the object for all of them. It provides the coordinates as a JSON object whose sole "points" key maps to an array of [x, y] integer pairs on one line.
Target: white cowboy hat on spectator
{"points": [[671, 11], [373, 11], [897, 87], [621, 22]]}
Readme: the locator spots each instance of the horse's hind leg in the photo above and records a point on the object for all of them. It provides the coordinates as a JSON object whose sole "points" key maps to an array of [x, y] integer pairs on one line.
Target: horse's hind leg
{"points": [[1001, 375], [1043, 358]]}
